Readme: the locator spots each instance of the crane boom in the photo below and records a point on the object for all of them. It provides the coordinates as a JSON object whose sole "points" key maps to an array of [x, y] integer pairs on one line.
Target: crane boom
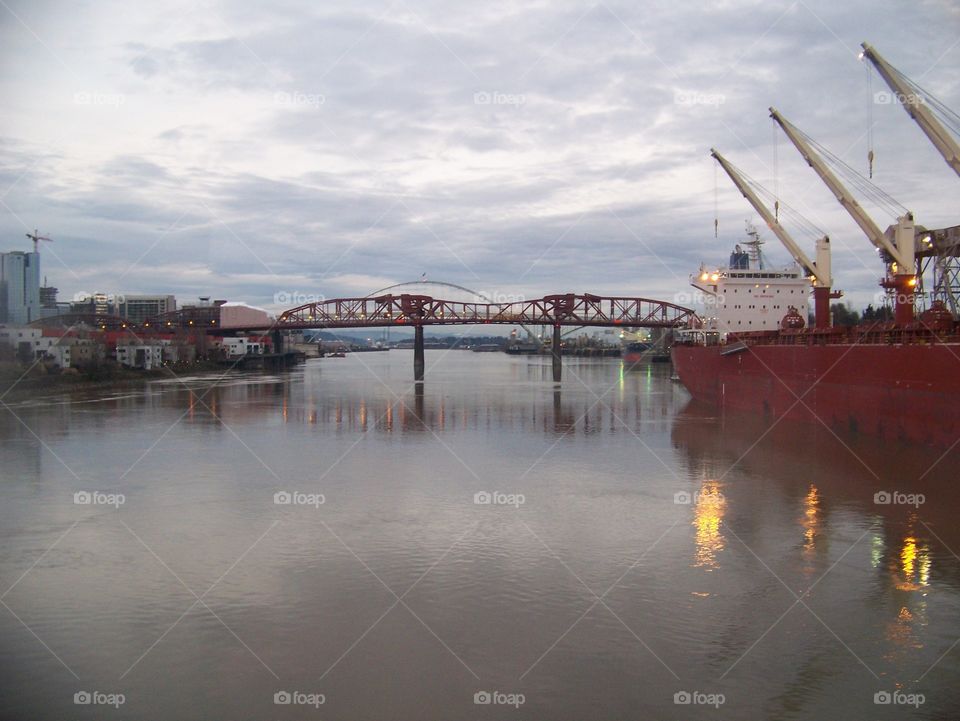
{"points": [[771, 221], [941, 138], [871, 230], [902, 250], [820, 270]]}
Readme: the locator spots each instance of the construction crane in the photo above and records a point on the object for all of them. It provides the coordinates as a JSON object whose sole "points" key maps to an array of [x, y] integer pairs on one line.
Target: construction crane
{"points": [[819, 270], [912, 101], [901, 251], [35, 237]]}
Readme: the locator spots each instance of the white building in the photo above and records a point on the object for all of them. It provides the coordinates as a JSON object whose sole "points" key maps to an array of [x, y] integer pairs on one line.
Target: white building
{"points": [[30, 344], [140, 355], [178, 352], [238, 347], [747, 294], [241, 315]]}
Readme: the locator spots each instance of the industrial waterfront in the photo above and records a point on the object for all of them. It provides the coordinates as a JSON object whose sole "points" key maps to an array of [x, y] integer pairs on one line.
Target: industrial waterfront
{"points": [[487, 544], [523, 361]]}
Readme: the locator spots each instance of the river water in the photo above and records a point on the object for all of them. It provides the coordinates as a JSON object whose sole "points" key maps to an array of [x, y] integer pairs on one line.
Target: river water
{"points": [[493, 547]]}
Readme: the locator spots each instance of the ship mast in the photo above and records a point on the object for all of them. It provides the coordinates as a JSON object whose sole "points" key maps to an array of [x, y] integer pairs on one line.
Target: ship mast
{"points": [[902, 251], [819, 270]]}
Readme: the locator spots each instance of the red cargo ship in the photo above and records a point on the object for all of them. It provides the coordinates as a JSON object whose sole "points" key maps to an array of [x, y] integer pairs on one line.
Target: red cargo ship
{"points": [[894, 383], [897, 380]]}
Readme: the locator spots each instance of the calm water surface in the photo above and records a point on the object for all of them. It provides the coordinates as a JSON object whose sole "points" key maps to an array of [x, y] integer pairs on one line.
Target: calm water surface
{"points": [[635, 547]]}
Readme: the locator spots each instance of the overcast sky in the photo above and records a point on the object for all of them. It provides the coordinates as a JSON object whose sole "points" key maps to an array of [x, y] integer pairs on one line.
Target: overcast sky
{"points": [[243, 150]]}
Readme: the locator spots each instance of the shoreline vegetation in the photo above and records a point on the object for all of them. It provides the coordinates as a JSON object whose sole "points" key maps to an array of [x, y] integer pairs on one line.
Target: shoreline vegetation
{"points": [[18, 381]]}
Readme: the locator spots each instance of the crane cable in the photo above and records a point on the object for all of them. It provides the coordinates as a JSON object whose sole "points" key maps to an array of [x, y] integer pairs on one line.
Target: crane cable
{"points": [[716, 208], [776, 172], [946, 116], [870, 100], [859, 182], [804, 224]]}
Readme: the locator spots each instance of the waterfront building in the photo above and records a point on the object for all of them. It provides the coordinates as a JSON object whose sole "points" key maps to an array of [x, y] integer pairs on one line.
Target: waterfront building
{"points": [[140, 308], [140, 355], [19, 287]]}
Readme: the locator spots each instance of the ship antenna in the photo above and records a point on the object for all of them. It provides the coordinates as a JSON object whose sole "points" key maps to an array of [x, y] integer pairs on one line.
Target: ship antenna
{"points": [[756, 255]]}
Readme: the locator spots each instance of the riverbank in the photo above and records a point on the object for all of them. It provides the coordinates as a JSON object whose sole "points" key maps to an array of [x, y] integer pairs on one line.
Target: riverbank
{"points": [[14, 385]]}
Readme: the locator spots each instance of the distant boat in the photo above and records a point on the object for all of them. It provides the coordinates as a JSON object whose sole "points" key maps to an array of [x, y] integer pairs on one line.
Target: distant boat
{"points": [[487, 348], [522, 348], [637, 352]]}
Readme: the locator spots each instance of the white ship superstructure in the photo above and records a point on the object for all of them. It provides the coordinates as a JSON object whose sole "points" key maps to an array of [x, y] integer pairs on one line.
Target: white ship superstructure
{"points": [[749, 295]]}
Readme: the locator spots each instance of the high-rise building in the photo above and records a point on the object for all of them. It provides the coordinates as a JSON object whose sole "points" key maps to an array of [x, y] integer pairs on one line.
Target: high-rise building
{"points": [[48, 296], [19, 287]]}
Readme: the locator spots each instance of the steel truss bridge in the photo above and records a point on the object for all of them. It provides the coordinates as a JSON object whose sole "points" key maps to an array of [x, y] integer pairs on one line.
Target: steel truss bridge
{"points": [[418, 311]]}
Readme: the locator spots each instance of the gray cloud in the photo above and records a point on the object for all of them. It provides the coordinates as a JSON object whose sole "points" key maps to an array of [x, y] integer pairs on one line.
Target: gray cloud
{"points": [[540, 148]]}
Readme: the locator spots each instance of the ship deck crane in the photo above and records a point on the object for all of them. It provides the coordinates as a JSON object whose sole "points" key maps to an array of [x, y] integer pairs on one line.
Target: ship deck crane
{"points": [[941, 138], [923, 108], [819, 270], [902, 251]]}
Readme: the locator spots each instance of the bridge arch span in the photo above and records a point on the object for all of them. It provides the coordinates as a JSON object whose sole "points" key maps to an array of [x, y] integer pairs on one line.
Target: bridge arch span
{"points": [[432, 283]]}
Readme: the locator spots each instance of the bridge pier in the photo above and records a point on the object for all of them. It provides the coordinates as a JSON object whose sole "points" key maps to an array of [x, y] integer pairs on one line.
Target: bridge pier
{"points": [[555, 352], [418, 364], [277, 341]]}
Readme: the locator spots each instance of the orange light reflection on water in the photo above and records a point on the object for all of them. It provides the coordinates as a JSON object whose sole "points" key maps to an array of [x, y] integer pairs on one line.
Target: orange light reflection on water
{"points": [[709, 509], [811, 522]]}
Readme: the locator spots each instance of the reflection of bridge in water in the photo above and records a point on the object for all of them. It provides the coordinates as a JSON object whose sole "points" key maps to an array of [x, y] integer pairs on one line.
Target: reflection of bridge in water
{"points": [[418, 311]]}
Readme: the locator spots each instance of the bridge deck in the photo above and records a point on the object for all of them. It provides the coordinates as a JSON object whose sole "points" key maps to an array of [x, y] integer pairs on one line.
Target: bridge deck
{"points": [[563, 310]]}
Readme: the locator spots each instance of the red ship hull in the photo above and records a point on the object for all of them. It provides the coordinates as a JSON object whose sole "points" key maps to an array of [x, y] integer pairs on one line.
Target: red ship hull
{"points": [[904, 392]]}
